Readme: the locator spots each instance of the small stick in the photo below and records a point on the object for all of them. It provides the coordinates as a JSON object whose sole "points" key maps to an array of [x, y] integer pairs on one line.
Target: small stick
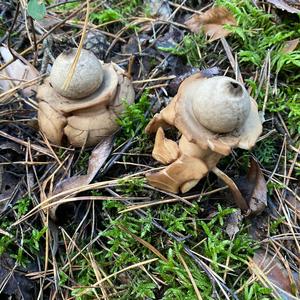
{"points": [[34, 42], [11, 30]]}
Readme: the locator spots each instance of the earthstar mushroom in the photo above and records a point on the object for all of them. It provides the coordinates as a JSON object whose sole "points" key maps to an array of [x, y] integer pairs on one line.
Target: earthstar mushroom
{"points": [[86, 111], [213, 115]]}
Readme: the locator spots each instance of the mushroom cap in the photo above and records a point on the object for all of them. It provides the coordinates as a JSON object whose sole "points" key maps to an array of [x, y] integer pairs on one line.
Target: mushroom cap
{"points": [[220, 104], [187, 123], [87, 77]]}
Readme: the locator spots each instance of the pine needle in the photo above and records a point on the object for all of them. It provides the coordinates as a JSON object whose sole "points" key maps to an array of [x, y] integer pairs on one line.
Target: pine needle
{"points": [[77, 55]]}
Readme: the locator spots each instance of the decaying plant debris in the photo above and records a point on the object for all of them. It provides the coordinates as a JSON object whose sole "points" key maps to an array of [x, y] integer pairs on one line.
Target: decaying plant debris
{"points": [[212, 22], [92, 215]]}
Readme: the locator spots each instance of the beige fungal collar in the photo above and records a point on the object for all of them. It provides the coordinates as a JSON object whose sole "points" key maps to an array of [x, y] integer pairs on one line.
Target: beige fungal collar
{"points": [[188, 123], [102, 96]]}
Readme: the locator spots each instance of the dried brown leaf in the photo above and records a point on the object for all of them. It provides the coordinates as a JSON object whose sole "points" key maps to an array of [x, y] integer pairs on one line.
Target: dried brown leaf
{"points": [[275, 271], [16, 73], [96, 161], [253, 187], [290, 46], [283, 5], [258, 200], [211, 22]]}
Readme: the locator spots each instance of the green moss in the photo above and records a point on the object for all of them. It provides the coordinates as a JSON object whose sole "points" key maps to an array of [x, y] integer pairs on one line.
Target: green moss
{"points": [[133, 121], [189, 49]]}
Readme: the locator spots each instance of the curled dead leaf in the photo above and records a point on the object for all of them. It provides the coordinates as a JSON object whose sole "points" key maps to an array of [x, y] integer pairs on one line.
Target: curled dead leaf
{"points": [[253, 188], [16, 73], [274, 274], [258, 200], [211, 22], [96, 161]]}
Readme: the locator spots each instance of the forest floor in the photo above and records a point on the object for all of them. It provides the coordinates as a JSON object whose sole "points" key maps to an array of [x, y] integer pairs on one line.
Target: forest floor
{"points": [[115, 236]]}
